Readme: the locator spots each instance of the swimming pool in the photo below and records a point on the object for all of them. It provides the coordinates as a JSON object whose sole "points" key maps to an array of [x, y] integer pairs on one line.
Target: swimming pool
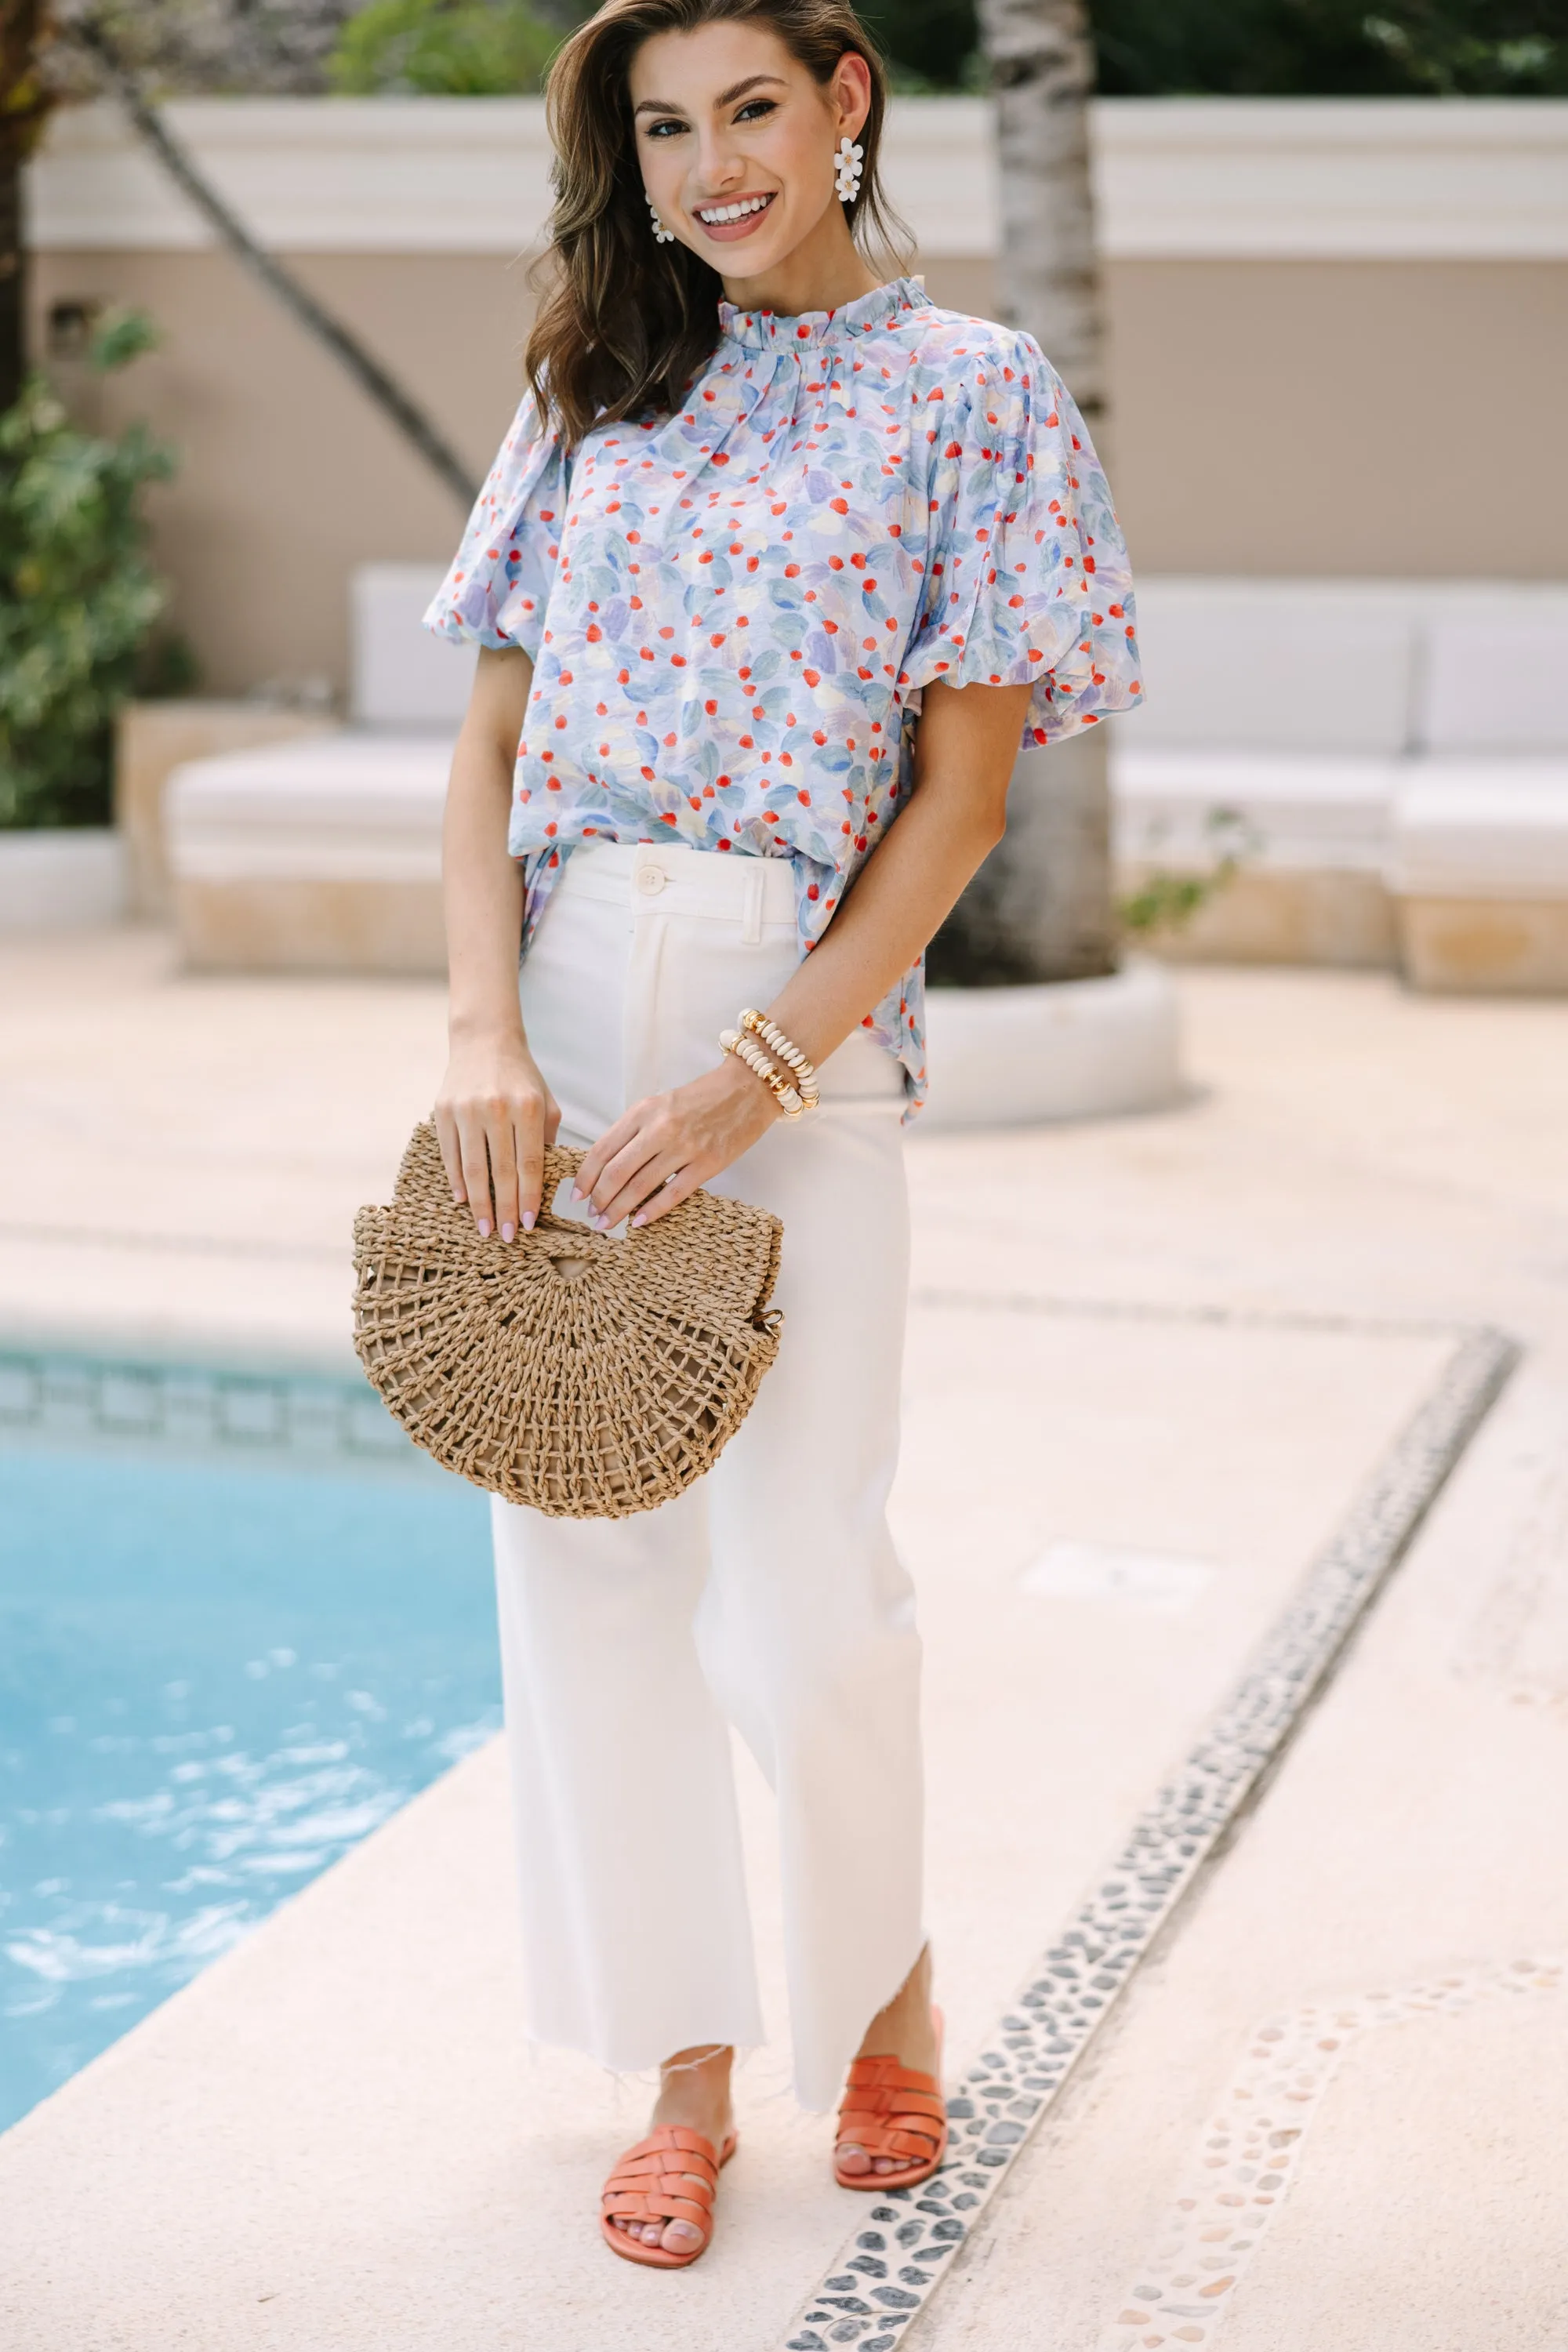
{"points": [[241, 1622]]}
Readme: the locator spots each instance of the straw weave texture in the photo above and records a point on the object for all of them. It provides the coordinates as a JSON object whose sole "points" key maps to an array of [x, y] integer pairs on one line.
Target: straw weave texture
{"points": [[586, 1376]]}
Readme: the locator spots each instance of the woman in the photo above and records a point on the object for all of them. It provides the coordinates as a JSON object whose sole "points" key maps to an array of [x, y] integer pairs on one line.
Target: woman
{"points": [[776, 571]]}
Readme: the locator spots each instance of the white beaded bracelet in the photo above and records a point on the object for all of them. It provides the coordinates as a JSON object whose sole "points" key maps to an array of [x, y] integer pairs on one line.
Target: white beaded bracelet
{"points": [[788, 1051], [744, 1050]]}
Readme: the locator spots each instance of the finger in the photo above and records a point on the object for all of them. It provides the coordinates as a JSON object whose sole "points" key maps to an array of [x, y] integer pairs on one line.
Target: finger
{"points": [[643, 1187], [501, 1144], [528, 1145], [451, 1151], [476, 1169], [636, 1121], [669, 1195], [630, 1176], [599, 1154]]}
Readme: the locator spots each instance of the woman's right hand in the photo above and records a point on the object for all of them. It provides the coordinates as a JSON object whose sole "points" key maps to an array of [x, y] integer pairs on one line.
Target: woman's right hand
{"points": [[494, 1116]]}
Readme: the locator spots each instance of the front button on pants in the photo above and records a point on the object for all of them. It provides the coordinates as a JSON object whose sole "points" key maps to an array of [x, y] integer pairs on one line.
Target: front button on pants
{"points": [[768, 1596]]}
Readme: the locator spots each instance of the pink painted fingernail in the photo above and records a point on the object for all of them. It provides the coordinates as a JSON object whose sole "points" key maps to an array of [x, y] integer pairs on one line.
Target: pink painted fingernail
{"points": [[578, 1194], [508, 1232], [600, 1225], [528, 1220], [640, 1219], [484, 1226]]}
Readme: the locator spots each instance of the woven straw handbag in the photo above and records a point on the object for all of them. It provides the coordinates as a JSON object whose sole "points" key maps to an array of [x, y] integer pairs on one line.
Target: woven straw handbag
{"points": [[586, 1376]]}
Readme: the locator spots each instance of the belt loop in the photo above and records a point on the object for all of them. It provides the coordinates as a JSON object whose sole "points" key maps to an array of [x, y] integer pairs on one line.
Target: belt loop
{"points": [[751, 919]]}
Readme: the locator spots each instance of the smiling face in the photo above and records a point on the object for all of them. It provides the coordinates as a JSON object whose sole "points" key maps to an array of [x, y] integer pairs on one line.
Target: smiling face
{"points": [[736, 140]]}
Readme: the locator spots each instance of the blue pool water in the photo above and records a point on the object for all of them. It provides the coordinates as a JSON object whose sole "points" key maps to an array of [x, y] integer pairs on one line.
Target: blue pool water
{"points": [[241, 1622]]}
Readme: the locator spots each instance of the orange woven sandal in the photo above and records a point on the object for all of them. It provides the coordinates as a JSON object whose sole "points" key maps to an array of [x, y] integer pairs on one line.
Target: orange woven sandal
{"points": [[893, 2110], [672, 2176]]}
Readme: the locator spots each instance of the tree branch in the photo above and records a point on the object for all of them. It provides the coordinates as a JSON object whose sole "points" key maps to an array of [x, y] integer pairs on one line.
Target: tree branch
{"points": [[367, 372]]}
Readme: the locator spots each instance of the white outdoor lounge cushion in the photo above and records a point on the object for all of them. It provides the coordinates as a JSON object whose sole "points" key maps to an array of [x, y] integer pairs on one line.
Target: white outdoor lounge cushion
{"points": [[1285, 666], [1275, 810], [1481, 829], [353, 807], [1495, 673], [401, 675]]}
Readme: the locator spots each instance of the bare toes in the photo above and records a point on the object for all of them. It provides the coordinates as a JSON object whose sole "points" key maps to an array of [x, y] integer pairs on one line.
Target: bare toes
{"points": [[680, 2236], [854, 2159]]}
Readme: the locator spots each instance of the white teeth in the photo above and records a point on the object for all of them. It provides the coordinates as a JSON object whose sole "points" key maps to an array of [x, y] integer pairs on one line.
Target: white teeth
{"points": [[717, 213]]}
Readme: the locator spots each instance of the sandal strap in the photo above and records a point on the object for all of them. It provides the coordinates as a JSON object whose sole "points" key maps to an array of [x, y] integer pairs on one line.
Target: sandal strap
{"points": [[884, 2139], [677, 2139], [892, 2110], [665, 2207], [896, 2103], [670, 2176], [887, 2074], [681, 2152]]}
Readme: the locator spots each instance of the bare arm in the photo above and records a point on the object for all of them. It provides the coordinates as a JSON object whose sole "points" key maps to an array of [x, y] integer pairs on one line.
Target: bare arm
{"points": [[964, 750], [494, 1113]]}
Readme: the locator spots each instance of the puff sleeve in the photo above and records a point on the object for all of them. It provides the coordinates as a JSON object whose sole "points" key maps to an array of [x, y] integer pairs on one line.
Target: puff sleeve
{"points": [[500, 583], [1027, 579]]}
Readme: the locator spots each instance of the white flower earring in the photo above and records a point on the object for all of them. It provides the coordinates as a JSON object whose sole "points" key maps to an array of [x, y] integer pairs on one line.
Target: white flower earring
{"points": [[848, 164], [661, 235]]}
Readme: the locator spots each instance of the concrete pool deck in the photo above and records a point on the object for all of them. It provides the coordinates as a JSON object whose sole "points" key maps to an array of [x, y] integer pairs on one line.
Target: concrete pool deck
{"points": [[336, 2136]]}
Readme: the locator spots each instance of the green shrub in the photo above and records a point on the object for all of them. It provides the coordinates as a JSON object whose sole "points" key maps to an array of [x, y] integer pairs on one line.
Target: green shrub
{"points": [[1332, 48], [78, 600], [1272, 48], [450, 48], [1166, 898]]}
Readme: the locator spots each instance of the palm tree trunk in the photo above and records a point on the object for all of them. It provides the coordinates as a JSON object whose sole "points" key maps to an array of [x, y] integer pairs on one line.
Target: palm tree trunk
{"points": [[1041, 907], [1041, 55]]}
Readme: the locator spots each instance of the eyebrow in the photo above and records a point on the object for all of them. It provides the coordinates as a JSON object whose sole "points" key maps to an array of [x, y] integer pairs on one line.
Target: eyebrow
{"points": [[725, 97]]}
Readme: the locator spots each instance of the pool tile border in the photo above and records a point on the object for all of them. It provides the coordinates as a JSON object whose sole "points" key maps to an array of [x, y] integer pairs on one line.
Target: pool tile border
{"points": [[321, 1420], [886, 2275]]}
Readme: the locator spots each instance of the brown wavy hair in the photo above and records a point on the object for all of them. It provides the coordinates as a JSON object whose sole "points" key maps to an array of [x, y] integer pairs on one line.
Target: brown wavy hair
{"points": [[625, 323]]}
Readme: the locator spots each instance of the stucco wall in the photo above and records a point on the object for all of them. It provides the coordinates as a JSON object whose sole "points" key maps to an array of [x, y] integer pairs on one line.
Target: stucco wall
{"points": [[1388, 407], [289, 476]]}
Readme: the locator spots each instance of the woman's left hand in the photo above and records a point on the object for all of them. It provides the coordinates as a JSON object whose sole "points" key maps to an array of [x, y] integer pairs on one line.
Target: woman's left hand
{"points": [[667, 1145]]}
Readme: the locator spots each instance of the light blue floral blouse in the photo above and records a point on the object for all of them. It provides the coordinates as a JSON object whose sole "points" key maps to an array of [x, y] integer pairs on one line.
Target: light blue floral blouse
{"points": [[732, 611]]}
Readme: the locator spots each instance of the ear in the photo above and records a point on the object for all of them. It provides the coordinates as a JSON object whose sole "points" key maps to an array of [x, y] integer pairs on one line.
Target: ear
{"points": [[851, 94]]}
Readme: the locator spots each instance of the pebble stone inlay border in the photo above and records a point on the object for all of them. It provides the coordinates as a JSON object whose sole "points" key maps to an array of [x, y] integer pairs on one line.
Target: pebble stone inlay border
{"points": [[1240, 2173], [886, 2275]]}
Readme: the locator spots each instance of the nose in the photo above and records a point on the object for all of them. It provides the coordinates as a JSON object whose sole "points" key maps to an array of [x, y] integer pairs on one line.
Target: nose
{"points": [[718, 165]]}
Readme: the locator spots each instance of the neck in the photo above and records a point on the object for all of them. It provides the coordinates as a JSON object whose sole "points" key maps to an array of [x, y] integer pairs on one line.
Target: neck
{"points": [[823, 273]]}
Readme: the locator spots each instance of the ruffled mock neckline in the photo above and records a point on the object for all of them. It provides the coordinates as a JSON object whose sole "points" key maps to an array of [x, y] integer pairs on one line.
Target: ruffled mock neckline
{"points": [[759, 330]]}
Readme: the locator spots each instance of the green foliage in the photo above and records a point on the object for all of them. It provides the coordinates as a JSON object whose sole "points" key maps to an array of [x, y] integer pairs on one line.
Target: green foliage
{"points": [[1167, 902], [1165, 899], [930, 45], [448, 48], [1270, 48], [78, 600], [1332, 48]]}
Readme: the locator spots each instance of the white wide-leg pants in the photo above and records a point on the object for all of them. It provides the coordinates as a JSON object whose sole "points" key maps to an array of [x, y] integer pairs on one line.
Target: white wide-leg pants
{"points": [[769, 1596]]}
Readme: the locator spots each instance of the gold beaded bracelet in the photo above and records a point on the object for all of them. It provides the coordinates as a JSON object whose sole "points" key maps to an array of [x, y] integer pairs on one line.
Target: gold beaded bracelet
{"points": [[745, 1050], [788, 1051]]}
